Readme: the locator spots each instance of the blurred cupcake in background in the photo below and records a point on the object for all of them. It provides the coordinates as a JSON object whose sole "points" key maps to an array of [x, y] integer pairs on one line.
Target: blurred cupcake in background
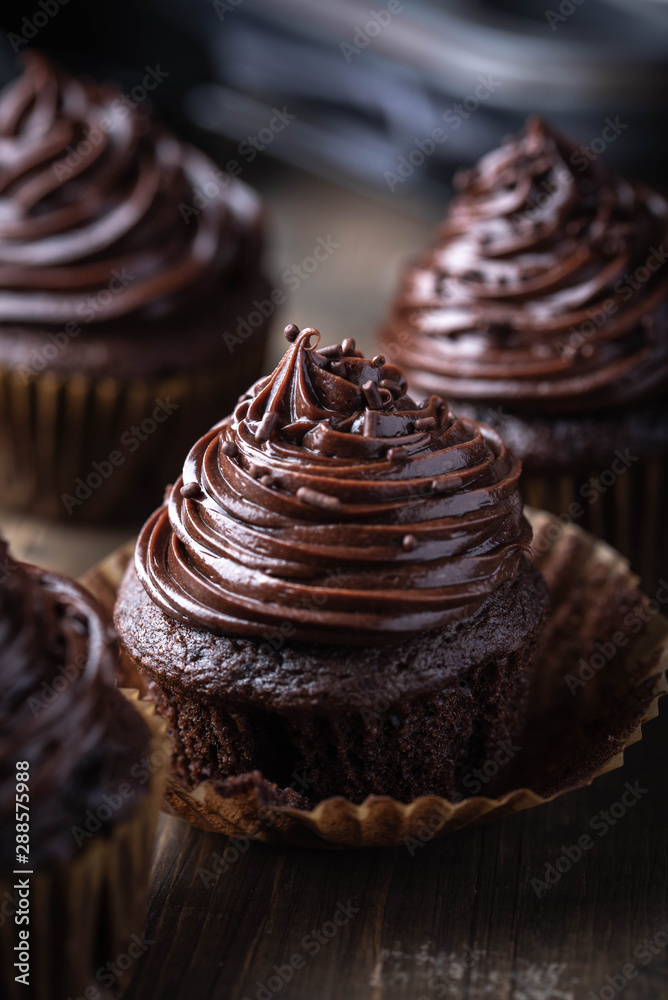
{"points": [[128, 264], [81, 776], [542, 310]]}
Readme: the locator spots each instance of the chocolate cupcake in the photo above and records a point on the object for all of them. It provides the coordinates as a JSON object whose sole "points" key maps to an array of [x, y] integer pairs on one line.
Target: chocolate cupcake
{"points": [[542, 309], [128, 265], [338, 587], [80, 787]]}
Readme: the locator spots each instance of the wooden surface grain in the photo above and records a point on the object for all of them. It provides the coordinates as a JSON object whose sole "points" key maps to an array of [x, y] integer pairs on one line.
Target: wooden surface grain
{"points": [[457, 918]]}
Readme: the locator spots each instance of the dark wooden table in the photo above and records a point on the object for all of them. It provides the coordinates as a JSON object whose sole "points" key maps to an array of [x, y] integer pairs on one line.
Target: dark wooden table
{"points": [[457, 918]]}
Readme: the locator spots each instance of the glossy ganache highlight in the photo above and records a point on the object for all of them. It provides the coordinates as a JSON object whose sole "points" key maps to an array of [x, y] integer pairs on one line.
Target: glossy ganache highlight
{"points": [[90, 190], [57, 679], [547, 288], [333, 508]]}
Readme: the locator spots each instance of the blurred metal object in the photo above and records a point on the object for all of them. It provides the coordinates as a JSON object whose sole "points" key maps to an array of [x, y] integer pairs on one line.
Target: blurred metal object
{"points": [[369, 83], [361, 111], [646, 8]]}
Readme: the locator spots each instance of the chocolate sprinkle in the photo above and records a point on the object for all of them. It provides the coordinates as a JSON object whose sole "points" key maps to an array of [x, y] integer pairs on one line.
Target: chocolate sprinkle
{"points": [[425, 424], [338, 368], [370, 423], [408, 543], [331, 351], [378, 361], [267, 426], [348, 346], [190, 490], [229, 448], [315, 499], [370, 390], [291, 332], [394, 387]]}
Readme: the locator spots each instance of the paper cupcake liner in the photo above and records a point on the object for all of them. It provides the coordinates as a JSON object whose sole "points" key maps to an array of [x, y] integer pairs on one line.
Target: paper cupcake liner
{"points": [[627, 510], [600, 673], [89, 911], [68, 447]]}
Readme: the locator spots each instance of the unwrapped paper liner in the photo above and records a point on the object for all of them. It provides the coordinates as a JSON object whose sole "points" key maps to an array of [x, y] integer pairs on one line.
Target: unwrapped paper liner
{"points": [[600, 674], [630, 513]]}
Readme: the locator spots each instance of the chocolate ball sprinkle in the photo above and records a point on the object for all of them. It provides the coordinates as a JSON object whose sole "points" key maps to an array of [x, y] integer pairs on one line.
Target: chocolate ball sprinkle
{"points": [[394, 387], [190, 490], [331, 351]]}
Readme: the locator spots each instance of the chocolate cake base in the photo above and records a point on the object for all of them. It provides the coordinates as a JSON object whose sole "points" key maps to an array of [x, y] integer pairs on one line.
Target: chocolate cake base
{"points": [[415, 718]]}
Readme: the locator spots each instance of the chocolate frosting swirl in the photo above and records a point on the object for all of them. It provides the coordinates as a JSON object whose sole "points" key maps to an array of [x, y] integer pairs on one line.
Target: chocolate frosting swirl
{"points": [[57, 697], [546, 289], [330, 507], [90, 190]]}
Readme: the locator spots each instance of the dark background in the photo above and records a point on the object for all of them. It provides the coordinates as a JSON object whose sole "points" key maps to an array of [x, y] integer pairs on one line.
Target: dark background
{"points": [[231, 61]]}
